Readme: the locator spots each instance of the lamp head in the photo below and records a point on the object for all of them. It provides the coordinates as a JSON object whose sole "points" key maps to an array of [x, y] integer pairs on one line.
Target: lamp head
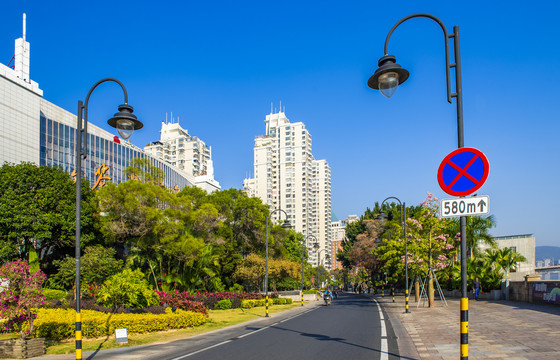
{"points": [[382, 217], [388, 76], [316, 245], [286, 224], [125, 121]]}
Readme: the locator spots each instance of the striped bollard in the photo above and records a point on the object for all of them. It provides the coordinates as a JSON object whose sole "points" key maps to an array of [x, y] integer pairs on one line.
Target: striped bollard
{"points": [[464, 328]]}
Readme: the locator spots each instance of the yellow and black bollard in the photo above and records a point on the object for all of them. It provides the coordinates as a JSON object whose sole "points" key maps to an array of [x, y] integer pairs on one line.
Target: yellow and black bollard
{"points": [[464, 328], [406, 300], [302, 298], [266, 305], [78, 336], [393, 293]]}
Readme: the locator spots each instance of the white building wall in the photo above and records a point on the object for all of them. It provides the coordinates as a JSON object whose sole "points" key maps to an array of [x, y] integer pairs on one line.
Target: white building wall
{"points": [[286, 177], [524, 245]]}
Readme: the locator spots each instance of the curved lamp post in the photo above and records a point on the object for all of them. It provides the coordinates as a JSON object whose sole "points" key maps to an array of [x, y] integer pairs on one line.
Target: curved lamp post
{"points": [[386, 79], [318, 259], [125, 122], [285, 225], [383, 217], [302, 256]]}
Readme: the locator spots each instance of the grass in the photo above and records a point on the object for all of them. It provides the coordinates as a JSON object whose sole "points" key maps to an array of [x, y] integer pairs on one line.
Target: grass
{"points": [[9, 336], [217, 319]]}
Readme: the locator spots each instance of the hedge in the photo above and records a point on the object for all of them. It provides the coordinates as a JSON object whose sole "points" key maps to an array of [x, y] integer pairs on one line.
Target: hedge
{"points": [[58, 324], [247, 304]]}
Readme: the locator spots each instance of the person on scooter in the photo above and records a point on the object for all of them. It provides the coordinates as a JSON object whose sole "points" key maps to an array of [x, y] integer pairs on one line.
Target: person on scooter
{"points": [[327, 293]]}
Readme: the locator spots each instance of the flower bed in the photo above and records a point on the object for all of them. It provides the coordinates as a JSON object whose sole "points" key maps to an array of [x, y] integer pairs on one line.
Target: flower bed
{"points": [[205, 300]]}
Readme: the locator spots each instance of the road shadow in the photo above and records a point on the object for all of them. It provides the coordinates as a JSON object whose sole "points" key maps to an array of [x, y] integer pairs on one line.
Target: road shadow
{"points": [[322, 337]]}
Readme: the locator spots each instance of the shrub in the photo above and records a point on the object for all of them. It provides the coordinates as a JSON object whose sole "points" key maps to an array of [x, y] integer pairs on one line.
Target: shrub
{"points": [[51, 294], [58, 324], [129, 289], [236, 288], [20, 293], [223, 304]]}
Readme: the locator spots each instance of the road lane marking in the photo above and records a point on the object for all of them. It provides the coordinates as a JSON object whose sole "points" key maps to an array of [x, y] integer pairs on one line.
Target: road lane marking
{"points": [[239, 337], [384, 355], [201, 350]]}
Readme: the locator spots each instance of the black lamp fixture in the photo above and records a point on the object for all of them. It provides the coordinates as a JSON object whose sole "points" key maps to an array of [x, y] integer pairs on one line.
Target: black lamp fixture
{"points": [[125, 121], [388, 76]]}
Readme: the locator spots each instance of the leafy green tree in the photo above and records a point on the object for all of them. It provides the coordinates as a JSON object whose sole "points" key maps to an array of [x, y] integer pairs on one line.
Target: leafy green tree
{"points": [[37, 212], [143, 171], [251, 271], [96, 265], [477, 232]]}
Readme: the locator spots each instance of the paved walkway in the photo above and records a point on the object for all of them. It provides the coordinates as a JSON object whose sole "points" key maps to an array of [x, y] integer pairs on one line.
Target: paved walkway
{"points": [[497, 329]]}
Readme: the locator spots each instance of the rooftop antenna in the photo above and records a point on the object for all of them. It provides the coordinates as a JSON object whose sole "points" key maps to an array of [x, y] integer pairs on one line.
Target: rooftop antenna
{"points": [[166, 118], [24, 21], [172, 117], [280, 106], [271, 107]]}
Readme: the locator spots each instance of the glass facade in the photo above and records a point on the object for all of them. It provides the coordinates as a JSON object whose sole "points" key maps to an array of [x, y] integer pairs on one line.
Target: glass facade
{"points": [[58, 148]]}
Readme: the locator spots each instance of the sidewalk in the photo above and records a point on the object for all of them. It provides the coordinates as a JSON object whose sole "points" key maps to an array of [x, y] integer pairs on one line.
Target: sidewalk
{"points": [[497, 329]]}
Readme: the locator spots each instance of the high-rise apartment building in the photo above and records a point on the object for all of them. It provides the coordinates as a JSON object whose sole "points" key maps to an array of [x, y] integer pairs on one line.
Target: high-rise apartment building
{"points": [[186, 152], [287, 177]]}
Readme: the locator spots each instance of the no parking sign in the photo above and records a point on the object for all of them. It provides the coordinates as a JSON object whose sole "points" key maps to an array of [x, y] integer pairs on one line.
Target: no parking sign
{"points": [[463, 171]]}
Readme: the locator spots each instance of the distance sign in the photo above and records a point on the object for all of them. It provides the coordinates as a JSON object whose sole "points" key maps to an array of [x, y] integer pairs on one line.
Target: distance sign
{"points": [[476, 205]]}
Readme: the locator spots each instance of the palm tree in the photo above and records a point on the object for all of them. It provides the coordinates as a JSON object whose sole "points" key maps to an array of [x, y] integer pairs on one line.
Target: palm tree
{"points": [[508, 260], [477, 232]]}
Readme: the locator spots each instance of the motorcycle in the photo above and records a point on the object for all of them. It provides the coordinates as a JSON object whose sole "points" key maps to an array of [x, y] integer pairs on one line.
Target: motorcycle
{"points": [[328, 299]]}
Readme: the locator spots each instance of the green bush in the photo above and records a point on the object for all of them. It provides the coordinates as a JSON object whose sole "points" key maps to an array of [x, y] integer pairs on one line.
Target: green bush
{"points": [[58, 324], [223, 304], [236, 288], [51, 294], [129, 289], [247, 304], [250, 303]]}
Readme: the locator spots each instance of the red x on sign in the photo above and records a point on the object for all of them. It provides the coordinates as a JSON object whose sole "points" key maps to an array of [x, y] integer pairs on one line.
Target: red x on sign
{"points": [[463, 171]]}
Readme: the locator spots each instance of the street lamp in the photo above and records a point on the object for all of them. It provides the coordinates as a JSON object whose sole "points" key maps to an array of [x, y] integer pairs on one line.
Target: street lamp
{"points": [[318, 260], [386, 79], [383, 217], [302, 256], [285, 225], [125, 122]]}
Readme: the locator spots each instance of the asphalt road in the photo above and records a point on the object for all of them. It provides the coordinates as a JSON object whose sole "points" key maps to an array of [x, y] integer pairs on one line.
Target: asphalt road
{"points": [[352, 328]]}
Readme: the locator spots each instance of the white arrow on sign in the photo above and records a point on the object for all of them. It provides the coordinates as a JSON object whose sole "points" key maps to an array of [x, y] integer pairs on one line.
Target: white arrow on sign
{"points": [[465, 206]]}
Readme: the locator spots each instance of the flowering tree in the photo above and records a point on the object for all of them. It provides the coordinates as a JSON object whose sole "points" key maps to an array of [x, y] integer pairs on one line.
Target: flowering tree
{"points": [[428, 243], [21, 293]]}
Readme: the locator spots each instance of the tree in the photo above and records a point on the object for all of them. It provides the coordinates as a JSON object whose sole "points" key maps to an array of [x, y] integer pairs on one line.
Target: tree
{"points": [[143, 171], [251, 270], [21, 294], [96, 265], [477, 232], [38, 212]]}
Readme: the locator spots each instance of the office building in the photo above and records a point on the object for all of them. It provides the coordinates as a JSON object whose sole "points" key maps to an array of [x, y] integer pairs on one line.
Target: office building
{"points": [[35, 130]]}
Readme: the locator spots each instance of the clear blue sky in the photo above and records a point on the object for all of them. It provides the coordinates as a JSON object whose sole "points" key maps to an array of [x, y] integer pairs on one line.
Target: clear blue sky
{"points": [[218, 66]]}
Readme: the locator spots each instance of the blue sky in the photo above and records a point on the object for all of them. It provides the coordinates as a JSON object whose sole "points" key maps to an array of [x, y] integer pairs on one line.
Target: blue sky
{"points": [[219, 65]]}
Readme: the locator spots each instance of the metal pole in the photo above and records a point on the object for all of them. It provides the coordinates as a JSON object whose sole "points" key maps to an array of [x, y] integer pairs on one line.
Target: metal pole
{"points": [[302, 256], [78, 325], [463, 221], [266, 274], [403, 215]]}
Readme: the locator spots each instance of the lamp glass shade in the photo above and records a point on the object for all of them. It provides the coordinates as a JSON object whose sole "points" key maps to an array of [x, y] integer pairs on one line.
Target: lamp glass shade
{"points": [[382, 217], [286, 225], [388, 83], [125, 128]]}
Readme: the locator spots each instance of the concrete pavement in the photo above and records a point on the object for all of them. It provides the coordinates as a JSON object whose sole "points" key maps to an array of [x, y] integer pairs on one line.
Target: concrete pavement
{"points": [[497, 329]]}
